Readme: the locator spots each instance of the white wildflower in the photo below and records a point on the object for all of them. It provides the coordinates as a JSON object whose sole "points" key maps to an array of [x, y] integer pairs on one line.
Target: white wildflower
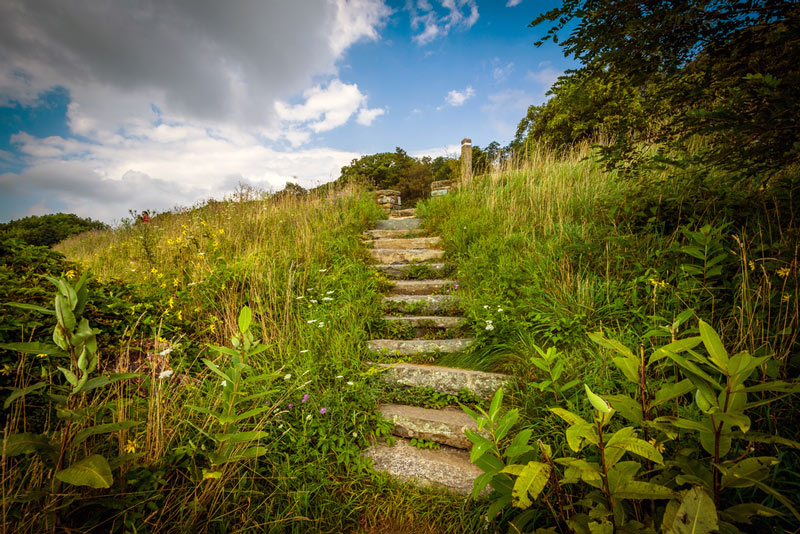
{"points": [[329, 292], [313, 301], [308, 417], [287, 376], [165, 352], [166, 373], [326, 298], [321, 324], [355, 434], [323, 270], [300, 297], [310, 321], [349, 383], [499, 310], [339, 376], [224, 383], [485, 306], [490, 326], [303, 351]]}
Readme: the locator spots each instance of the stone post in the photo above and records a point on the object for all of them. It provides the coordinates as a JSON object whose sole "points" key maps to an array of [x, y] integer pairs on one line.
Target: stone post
{"points": [[466, 160], [388, 199]]}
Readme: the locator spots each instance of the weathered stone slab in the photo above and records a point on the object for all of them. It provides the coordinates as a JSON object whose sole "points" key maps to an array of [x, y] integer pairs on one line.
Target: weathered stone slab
{"points": [[405, 243], [443, 379], [446, 468], [385, 255], [392, 234], [398, 224], [444, 426], [427, 321], [418, 346], [420, 303], [401, 270], [408, 212], [387, 196], [422, 287]]}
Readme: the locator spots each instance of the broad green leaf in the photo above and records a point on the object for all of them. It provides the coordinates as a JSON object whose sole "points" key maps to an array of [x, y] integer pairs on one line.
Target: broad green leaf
{"points": [[494, 408], [531, 480], [676, 347], [638, 447], [250, 413], [100, 381], [612, 344], [66, 318], [92, 471], [716, 350], [589, 472], [686, 424], [31, 307], [34, 348], [480, 446], [783, 500], [105, 428], [636, 489], [252, 452], [497, 506], [569, 417], [481, 482], [211, 365], [245, 317], [599, 404], [519, 445], [223, 350], [70, 376], [17, 393], [696, 514], [629, 368], [505, 424], [27, 442], [742, 513], [627, 407], [614, 454], [578, 434], [760, 437], [241, 437], [737, 475], [774, 386], [671, 391], [691, 367]]}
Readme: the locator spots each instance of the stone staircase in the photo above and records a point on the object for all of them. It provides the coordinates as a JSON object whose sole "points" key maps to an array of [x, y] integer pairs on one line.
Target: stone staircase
{"points": [[426, 306]]}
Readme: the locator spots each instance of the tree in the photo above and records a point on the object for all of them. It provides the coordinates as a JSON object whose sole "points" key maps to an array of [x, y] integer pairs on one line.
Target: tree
{"points": [[47, 230], [724, 70]]}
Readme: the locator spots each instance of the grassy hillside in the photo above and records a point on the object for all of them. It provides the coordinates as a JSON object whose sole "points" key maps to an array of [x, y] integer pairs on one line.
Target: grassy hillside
{"points": [[545, 253]]}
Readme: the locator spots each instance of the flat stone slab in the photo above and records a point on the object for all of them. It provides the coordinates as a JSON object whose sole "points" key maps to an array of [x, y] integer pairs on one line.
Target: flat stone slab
{"points": [[447, 468], [385, 255], [418, 346], [407, 212], [398, 224], [422, 287], [420, 303], [391, 234], [405, 243], [427, 321], [401, 270], [444, 426], [443, 379]]}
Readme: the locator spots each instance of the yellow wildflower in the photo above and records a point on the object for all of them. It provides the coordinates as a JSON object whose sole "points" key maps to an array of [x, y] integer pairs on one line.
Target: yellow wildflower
{"points": [[180, 315], [161, 340], [658, 446], [70, 274], [216, 244], [223, 286], [171, 302], [170, 241], [41, 355], [184, 226], [160, 275], [203, 223], [212, 328], [5, 370], [197, 309], [184, 232], [785, 298], [221, 231], [175, 283], [131, 446], [178, 240], [163, 285], [783, 272], [154, 270], [751, 265]]}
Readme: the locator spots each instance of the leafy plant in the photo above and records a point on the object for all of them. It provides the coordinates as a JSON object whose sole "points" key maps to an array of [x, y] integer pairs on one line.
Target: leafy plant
{"points": [[550, 361]]}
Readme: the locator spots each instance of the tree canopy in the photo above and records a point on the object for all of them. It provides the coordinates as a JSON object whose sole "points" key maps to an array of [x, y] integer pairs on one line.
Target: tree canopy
{"points": [[47, 230]]}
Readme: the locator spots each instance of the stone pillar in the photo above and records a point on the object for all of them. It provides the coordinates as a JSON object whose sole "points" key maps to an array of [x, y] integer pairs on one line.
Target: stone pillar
{"points": [[466, 160], [388, 199]]}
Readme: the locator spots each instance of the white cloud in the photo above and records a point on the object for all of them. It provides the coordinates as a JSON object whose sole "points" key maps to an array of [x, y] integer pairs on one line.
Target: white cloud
{"points": [[546, 76], [512, 3], [457, 98], [500, 72], [453, 151], [366, 116], [437, 22]]}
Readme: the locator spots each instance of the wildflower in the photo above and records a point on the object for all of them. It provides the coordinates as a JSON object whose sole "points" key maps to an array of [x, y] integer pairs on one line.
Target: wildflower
{"points": [[290, 405], [171, 302], [212, 328], [658, 446], [131, 446], [6, 370], [224, 383], [287, 376], [299, 298], [165, 352], [216, 244], [339, 376], [161, 340], [184, 232], [311, 321], [42, 355], [163, 285], [201, 253], [221, 231], [323, 270], [197, 309], [224, 286], [321, 324], [180, 315], [323, 410], [160, 275], [349, 383], [313, 301], [499, 310], [166, 373], [175, 282], [326, 298], [308, 418], [783, 272], [170, 241], [305, 398], [184, 226], [329, 292], [751, 265], [70, 274], [179, 240], [203, 223], [303, 351], [355, 434], [785, 298], [485, 306], [154, 270], [489, 326]]}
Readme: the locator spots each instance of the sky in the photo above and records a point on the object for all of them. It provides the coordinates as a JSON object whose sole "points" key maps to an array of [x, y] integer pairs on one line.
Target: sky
{"points": [[112, 106]]}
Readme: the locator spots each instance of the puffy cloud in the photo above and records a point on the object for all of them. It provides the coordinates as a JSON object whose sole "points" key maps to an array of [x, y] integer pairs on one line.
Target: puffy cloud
{"points": [[366, 116], [457, 98], [433, 22], [512, 3]]}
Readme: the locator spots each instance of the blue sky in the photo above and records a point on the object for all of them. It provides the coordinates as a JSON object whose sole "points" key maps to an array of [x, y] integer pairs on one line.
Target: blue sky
{"points": [[149, 105]]}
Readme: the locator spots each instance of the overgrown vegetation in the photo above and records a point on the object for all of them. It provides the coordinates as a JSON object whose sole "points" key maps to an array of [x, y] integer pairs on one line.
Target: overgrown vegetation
{"points": [[47, 230]]}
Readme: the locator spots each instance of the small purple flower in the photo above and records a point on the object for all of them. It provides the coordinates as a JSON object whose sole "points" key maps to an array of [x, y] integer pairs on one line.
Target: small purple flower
{"points": [[305, 398], [290, 406], [323, 410]]}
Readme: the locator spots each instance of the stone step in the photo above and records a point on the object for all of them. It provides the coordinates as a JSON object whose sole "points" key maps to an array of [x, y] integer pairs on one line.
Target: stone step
{"points": [[447, 468], [426, 321], [442, 379], [402, 270], [418, 346], [404, 243], [386, 255], [392, 234], [444, 426], [407, 212], [411, 304], [398, 224], [422, 287]]}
